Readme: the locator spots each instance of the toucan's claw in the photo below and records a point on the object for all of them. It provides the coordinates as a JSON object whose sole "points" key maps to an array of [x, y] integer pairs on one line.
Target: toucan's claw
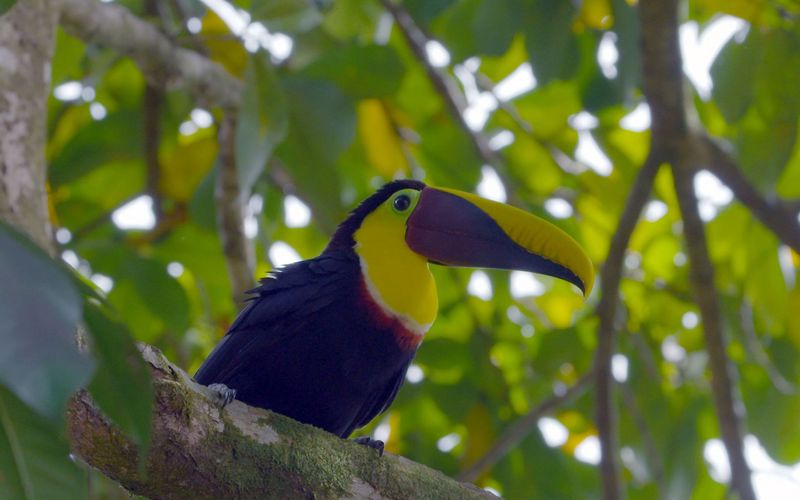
{"points": [[375, 444], [223, 394]]}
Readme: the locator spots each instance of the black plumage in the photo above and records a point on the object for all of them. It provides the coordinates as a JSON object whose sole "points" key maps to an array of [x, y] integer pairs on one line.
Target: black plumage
{"points": [[311, 344]]}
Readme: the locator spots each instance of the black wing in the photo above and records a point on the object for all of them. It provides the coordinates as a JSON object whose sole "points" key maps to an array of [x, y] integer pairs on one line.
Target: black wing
{"points": [[380, 400], [284, 300]]}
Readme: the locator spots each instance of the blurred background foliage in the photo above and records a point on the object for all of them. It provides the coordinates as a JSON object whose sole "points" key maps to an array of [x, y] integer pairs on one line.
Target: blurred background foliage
{"points": [[336, 103]]}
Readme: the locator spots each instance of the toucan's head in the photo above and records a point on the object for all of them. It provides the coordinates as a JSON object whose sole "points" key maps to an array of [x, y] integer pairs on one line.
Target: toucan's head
{"points": [[405, 225]]}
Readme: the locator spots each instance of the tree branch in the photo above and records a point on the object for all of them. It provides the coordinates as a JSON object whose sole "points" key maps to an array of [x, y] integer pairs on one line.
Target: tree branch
{"points": [[520, 429], [780, 218], [163, 63], [730, 410], [201, 451], [663, 87], [230, 221], [610, 278]]}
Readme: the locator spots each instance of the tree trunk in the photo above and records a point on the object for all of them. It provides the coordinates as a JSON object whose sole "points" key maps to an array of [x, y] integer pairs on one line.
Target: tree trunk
{"points": [[27, 34]]}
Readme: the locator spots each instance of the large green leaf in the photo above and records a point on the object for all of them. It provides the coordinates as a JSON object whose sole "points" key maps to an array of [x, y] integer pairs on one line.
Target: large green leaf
{"points": [[424, 11], [322, 126], [548, 37], [734, 75], [34, 457], [495, 24], [162, 295], [453, 28], [263, 120], [121, 385], [291, 16], [120, 135], [360, 70], [39, 312]]}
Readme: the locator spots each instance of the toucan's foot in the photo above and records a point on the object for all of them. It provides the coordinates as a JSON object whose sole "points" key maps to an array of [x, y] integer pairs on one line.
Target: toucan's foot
{"points": [[223, 394], [367, 441]]}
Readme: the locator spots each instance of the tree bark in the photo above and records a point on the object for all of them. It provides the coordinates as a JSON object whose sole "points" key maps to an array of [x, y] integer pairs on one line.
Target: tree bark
{"points": [[202, 451], [27, 34]]}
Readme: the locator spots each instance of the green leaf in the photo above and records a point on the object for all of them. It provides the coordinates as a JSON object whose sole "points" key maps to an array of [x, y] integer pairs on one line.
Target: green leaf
{"points": [[322, 126], [495, 24], [629, 66], [39, 312], [765, 149], [119, 133], [449, 158], [121, 385], [294, 16], [262, 122], [5, 5], [68, 54], [453, 28], [425, 11], [549, 40], [352, 19], [160, 292], [734, 75], [362, 71], [34, 457]]}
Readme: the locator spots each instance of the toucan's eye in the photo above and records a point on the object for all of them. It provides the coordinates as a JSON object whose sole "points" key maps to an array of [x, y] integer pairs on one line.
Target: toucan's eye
{"points": [[401, 203]]}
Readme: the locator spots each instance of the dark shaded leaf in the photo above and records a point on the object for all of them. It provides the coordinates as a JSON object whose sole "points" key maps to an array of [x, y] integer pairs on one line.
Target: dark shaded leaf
{"points": [[291, 16], [39, 312], [453, 27], [159, 291], [495, 24], [425, 11], [548, 37], [734, 74], [360, 70], [322, 126], [121, 385], [120, 135], [34, 457], [263, 120]]}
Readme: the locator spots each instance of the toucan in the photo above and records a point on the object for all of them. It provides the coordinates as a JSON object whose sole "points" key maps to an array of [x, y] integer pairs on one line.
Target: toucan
{"points": [[327, 341]]}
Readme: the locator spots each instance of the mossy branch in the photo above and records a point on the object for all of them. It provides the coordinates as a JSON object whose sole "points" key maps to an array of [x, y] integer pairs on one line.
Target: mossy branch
{"points": [[201, 451]]}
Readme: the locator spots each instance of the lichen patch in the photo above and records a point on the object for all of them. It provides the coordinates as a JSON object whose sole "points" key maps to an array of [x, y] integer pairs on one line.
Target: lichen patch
{"points": [[362, 490], [250, 421]]}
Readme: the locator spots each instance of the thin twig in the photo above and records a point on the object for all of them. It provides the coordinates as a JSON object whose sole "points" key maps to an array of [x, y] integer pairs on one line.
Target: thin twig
{"points": [[417, 41], [520, 429], [607, 310], [562, 159], [230, 220], [780, 218]]}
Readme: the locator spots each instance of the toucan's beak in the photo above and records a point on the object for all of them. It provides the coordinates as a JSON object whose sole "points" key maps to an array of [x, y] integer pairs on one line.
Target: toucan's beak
{"points": [[455, 228]]}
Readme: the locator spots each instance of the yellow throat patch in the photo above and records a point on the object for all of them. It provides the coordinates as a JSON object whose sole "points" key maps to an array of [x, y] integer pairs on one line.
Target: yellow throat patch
{"points": [[398, 279]]}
